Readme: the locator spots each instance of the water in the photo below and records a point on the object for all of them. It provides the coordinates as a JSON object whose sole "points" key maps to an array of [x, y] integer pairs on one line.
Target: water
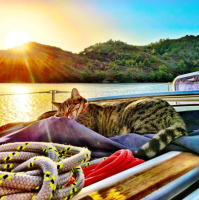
{"points": [[27, 107]]}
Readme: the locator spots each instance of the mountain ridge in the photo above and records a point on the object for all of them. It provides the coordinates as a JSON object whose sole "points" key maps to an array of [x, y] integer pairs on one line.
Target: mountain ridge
{"points": [[111, 61]]}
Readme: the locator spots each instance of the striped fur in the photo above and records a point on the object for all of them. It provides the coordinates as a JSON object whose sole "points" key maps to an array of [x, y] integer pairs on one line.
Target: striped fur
{"points": [[142, 117]]}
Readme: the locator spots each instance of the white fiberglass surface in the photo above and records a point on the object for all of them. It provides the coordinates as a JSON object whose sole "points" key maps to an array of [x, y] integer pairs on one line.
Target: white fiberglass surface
{"points": [[125, 174]]}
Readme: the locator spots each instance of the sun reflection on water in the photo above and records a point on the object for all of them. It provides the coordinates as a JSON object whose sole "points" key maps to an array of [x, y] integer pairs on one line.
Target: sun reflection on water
{"points": [[21, 103], [20, 89]]}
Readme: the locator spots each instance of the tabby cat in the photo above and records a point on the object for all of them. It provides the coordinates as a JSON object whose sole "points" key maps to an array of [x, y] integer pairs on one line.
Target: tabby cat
{"points": [[143, 116]]}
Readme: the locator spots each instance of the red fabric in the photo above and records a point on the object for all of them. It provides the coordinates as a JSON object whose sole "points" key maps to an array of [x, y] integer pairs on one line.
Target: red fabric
{"points": [[72, 180], [116, 163]]}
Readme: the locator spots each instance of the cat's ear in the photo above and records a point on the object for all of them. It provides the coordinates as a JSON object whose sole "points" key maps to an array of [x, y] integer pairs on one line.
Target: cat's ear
{"points": [[57, 105], [75, 93]]}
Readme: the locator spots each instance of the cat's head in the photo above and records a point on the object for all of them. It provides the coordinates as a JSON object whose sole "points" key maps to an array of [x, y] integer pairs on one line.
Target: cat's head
{"points": [[72, 107]]}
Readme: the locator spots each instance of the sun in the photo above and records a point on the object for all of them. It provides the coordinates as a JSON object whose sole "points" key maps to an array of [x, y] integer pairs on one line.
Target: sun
{"points": [[16, 38]]}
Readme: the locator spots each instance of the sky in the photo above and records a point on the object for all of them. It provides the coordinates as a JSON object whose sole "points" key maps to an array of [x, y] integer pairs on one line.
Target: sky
{"points": [[74, 25]]}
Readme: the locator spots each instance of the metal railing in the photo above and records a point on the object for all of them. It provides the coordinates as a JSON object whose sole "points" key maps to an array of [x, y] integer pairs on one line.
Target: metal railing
{"points": [[170, 96], [177, 96]]}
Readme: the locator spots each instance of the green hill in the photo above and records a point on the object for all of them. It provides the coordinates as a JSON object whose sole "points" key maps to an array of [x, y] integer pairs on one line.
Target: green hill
{"points": [[123, 62], [112, 61], [157, 62], [39, 64], [180, 55]]}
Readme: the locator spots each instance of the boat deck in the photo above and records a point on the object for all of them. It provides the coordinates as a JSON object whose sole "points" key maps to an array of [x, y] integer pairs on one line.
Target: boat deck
{"points": [[160, 178]]}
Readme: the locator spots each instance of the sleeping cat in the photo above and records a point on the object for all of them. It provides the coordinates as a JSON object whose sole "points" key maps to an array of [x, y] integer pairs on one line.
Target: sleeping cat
{"points": [[142, 117]]}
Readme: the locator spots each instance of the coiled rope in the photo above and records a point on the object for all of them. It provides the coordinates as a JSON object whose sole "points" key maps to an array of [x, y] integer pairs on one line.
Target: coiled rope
{"points": [[105, 167], [38, 170]]}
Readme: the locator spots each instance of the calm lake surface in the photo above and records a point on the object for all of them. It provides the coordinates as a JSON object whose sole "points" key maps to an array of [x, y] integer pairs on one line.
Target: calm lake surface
{"points": [[17, 104]]}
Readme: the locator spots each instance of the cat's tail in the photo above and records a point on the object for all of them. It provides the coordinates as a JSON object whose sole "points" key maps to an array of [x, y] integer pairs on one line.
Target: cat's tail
{"points": [[160, 141]]}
